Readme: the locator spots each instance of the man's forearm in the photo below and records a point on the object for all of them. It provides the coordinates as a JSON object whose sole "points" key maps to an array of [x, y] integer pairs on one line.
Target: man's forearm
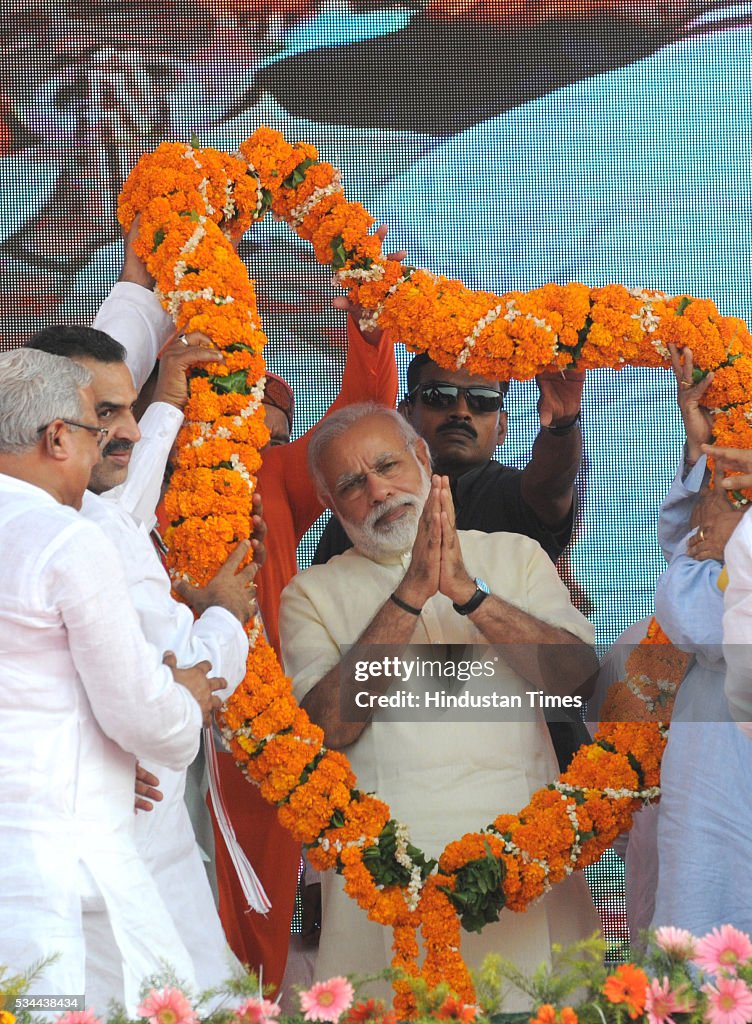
{"points": [[390, 625], [548, 479], [133, 316], [546, 656]]}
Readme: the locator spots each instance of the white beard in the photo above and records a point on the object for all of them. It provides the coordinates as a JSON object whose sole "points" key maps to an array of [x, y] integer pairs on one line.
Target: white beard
{"points": [[389, 539]]}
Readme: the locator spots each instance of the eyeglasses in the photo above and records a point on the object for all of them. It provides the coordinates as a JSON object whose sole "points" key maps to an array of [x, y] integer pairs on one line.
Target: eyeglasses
{"points": [[388, 466], [100, 432], [438, 395]]}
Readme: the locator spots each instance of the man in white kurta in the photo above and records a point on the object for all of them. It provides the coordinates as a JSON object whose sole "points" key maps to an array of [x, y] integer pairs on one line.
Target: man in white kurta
{"points": [[83, 695], [737, 624], [126, 513], [165, 837], [442, 778]]}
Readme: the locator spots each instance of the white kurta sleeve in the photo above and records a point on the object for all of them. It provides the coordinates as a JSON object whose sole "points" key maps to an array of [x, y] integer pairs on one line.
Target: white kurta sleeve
{"points": [[225, 643], [308, 648], [737, 624], [132, 694], [133, 316]]}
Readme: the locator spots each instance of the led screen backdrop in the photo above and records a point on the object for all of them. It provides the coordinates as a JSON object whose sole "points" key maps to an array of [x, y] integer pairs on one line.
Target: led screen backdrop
{"points": [[509, 144]]}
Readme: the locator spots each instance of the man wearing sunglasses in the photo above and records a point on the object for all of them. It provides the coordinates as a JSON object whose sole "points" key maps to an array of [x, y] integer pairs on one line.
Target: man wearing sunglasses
{"points": [[462, 419]]}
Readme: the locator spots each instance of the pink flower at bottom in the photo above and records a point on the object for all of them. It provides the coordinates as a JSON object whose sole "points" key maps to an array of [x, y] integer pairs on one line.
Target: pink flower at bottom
{"points": [[255, 1011], [723, 949], [729, 1002], [661, 1001], [170, 1006], [78, 1017], [327, 1000], [676, 942]]}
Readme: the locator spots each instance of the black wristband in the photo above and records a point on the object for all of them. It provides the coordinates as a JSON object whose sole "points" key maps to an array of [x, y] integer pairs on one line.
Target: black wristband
{"points": [[564, 428], [404, 605], [469, 606]]}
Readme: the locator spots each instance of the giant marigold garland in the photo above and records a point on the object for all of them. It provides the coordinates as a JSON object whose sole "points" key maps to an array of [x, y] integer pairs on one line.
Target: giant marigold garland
{"points": [[191, 201]]}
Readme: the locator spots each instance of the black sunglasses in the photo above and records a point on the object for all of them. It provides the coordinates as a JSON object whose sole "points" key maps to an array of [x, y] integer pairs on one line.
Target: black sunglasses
{"points": [[438, 395]]}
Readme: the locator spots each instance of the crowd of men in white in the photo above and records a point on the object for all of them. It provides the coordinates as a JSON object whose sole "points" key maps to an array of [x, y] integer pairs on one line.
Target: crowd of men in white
{"points": [[108, 679]]}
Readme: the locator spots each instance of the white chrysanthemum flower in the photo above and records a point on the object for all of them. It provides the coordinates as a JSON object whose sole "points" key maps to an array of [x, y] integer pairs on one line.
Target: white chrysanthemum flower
{"points": [[299, 213], [469, 343]]}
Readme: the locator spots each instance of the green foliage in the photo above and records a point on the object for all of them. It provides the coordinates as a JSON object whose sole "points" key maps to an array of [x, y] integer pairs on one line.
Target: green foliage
{"points": [[582, 336], [238, 346], [232, 384], [488, 988], [340, 255], [297, 177], [575, 975], [478, 896], [380, 859], [266, 203], [14, 985], [573, 980]]}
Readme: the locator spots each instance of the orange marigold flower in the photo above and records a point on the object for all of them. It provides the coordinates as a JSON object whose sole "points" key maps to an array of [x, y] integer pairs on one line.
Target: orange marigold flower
{"points": [[370, 1011], [455, 1009], [628, 985], [547, 1014]]}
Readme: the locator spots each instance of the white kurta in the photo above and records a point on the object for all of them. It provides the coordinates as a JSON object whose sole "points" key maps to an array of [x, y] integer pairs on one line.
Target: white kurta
{"points": [[441, 778], [165, 836], [737, 624], [83, 695]]}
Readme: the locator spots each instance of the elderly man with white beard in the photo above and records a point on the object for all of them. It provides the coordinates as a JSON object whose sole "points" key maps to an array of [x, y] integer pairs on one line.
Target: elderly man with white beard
{"points": [[412, 578]]}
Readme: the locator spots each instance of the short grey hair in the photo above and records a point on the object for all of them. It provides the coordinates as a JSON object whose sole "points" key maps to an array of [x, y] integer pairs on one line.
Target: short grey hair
{"points": [[334, 426], [35, 389]]}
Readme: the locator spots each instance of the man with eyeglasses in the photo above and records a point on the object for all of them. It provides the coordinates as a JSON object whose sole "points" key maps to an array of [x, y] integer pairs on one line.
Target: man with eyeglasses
{"points": [[83, 695], [413, 578], [98, 433], [121, 498]]}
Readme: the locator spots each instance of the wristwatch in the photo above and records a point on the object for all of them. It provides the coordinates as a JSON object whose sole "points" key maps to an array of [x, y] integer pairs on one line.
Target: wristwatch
{"points": [[475, 601], [564, 428]]}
